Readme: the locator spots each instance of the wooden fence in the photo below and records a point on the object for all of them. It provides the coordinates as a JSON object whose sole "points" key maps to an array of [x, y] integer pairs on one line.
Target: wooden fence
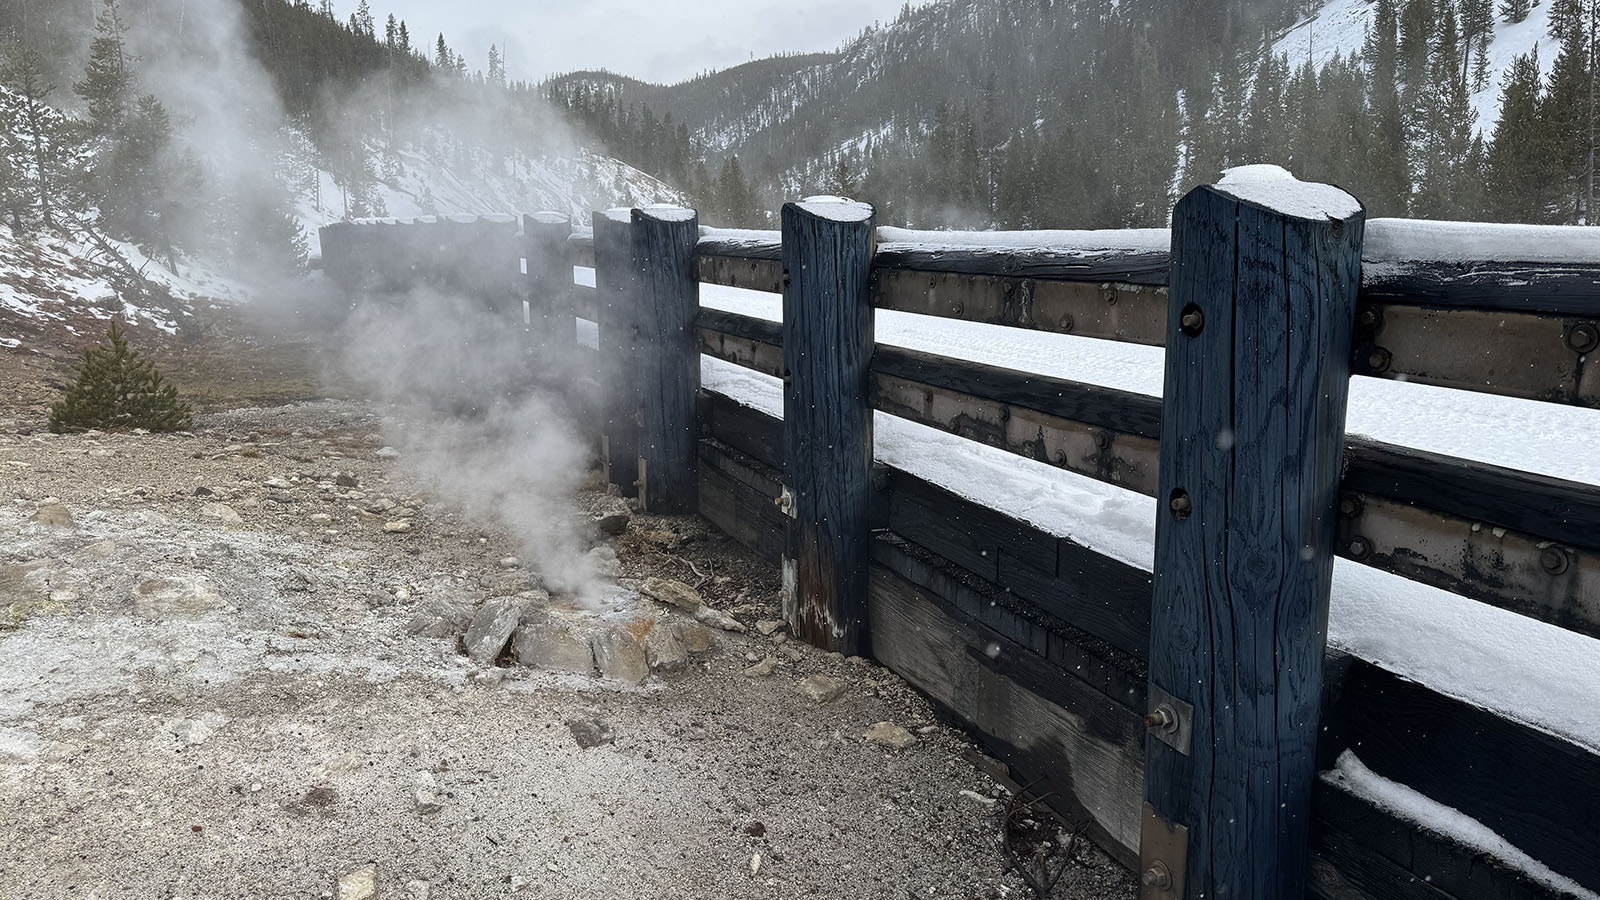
{"points": [[1183, 718]]}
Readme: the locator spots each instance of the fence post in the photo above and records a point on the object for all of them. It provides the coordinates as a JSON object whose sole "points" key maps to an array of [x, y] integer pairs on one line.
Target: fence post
{"points": [[827, 419], [664, 240], [549, 288], [1265, 272], [617, 315]]}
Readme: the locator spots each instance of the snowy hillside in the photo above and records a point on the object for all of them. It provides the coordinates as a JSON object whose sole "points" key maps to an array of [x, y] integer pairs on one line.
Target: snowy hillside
{"points": [[430, 184], [1340, 28]]}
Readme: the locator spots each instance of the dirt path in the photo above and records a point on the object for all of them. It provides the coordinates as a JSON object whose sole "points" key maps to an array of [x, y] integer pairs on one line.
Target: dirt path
{"points": [[209, 691]]}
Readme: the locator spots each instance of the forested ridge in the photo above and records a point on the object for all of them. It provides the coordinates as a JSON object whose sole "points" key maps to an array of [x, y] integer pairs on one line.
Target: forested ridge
{"points": [[1085, 113]]}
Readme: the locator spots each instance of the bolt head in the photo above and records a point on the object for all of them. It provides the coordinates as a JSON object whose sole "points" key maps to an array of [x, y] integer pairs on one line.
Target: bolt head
{"points": [[1157, 876], [1360, 548], [1379, 360], [1584, 338], [1553, 560], [1181, 505]]}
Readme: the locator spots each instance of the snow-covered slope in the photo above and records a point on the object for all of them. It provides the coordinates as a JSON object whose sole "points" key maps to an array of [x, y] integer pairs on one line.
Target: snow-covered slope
{"points": [[1340, 28], [476, 183]]}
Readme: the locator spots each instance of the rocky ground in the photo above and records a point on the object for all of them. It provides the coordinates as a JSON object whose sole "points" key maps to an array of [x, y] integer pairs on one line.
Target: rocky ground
{"points": [[259, 660]]}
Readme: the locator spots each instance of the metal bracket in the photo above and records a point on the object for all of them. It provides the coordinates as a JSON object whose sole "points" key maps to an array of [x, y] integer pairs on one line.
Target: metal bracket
{"points": [[785, 502], [1171, 721], [1163, 856]]}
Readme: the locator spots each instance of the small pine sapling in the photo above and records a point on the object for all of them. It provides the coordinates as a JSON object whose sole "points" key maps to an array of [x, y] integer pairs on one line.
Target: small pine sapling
{"points": [[117, 389]]}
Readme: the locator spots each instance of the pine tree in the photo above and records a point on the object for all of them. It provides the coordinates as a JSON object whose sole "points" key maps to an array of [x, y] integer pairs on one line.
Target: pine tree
{"points": [[1448, 131], [1568, 110], [497, 68], [1515, 11], [1520, 174], [107, 85], [1388, 157], [442, 57], [117, 389], [40, 146]]}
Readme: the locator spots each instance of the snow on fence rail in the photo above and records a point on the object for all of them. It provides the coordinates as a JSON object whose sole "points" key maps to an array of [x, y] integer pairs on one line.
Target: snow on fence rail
{"points": [[1055, 654]]}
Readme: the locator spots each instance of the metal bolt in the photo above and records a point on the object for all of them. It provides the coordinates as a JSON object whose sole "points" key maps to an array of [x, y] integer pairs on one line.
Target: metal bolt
{"points": [[1165, 719], [1104, 440], [960, 308], [1584, 338], [1067, 324], [1157, 876], [1350, 506], [1553, 560], [1181, 505], [1360, 548], [1369, 318], [1194, 321], [1005, 413], [1379, 360]]}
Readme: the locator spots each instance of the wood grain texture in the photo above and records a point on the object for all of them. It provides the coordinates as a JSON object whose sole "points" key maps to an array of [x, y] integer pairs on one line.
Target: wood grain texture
{"points": [[617, 312], [827, 347], [1111, 310], [1512, 287], [738, 494], [1253, 430], [1539, 792], [744, 244], [1039, 263], [669, 297], [747, 430], [741, 272], [1083, 748], [1395, 859], [1041, 573]]}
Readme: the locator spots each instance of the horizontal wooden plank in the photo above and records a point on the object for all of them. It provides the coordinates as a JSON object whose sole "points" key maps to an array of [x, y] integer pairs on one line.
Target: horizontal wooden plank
{"points": [[1509, 353], [1096, 266], [580, 247], [1541, 793], [737, 495], [741, 243], [742, 340], [1491, 564], [1086, 750], [1105, 434], [749, 431], [1110, 310], [740, 272], [1370, 851], [1051, 582], [1569, 290], [585, 302]]}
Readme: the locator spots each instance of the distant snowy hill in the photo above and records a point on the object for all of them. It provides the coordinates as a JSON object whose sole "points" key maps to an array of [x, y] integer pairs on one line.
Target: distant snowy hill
{"points": [[1340, 28], [430, 184]]}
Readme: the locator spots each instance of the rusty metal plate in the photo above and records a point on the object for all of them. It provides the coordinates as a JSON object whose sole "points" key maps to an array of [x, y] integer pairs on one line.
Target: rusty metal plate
{"points": [[1179, 728], [1163, 856]]}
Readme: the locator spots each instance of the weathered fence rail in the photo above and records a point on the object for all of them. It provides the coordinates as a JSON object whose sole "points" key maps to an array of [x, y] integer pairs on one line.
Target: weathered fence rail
{"points": [[1205, 693]]}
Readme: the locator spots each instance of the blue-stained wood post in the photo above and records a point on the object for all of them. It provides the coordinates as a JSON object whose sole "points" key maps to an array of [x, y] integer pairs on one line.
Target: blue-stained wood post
{"points": [[548, 284], [621, 377], [664, 239], [827, 419], [1265, 272]]}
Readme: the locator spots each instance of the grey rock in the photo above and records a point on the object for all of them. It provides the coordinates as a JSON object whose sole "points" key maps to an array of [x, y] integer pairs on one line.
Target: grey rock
{"points": [[554, 645], [54, 515], [613, 517], [672, 593], [769, 627], [665, 650], [591, 733], [604, 561], [387, 453], [697, 638], [440, 619], [762, 669], [491, 628], [890, 735], [362, 884], [620, 656], [346, 481], [399, 526], [716, 618], [177, 595], [823, 688], [222, 512]]}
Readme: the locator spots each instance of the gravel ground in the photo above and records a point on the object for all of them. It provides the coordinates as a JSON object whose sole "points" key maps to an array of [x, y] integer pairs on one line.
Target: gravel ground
{"points": [[208, 690]]}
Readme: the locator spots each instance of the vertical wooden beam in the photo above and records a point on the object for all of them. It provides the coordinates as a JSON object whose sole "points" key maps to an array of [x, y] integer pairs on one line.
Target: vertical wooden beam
{"points": [[827, 419], [669, 300], [1265, 271], [548, 288], [617, 314]]}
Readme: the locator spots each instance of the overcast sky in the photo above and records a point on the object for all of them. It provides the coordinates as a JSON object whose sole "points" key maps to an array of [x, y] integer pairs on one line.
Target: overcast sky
{"points": [[663, 40]]}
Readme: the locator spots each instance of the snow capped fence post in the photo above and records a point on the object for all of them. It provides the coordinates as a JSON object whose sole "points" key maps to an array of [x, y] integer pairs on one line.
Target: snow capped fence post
{"points": [[827, 419], [549, 284], [1265, 271], [669, 300], [617, 314]]}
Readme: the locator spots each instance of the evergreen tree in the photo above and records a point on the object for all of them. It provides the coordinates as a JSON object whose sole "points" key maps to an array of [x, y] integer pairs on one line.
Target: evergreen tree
{"points": [[443, 59], [116, 389], [107, 85], [735, 204], [41, 146], [497, 67], [1515, 11], [1388, 157], [1447, 133], [1569, 113]]}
